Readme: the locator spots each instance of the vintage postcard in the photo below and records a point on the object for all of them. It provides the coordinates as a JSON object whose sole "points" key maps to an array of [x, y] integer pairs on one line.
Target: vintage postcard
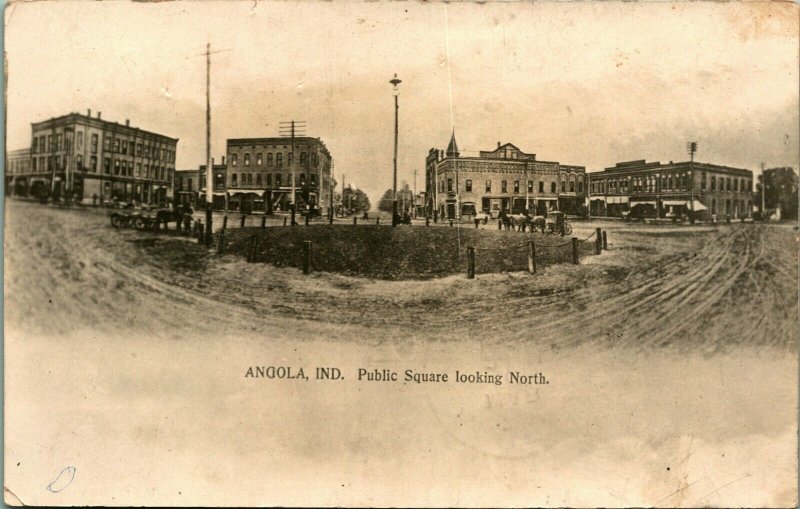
{"points": [[448, 254]]}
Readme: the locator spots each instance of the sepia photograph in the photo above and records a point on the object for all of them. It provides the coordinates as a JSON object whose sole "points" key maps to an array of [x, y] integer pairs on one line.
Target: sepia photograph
{"points": [[401, 253]]}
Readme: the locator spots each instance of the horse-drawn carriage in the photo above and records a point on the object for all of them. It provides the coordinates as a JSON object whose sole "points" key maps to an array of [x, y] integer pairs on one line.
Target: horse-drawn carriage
{"points": [[151, 218], [555, 222]]}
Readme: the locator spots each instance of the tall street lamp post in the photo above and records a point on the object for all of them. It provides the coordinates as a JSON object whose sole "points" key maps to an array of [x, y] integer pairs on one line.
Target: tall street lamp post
{"points": [[395, 81]]}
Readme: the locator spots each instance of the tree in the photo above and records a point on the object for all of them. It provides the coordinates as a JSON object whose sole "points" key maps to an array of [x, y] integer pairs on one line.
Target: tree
{"points": [[355, 200], [404, 200], [781, 191]]}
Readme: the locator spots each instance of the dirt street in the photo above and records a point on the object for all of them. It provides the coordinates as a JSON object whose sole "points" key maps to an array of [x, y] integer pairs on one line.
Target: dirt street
{"points": [[126, 353]]}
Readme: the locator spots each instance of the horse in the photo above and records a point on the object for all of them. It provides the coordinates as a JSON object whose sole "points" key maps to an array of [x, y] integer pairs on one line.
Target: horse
{"points": [[538, 222], [178, 215]]}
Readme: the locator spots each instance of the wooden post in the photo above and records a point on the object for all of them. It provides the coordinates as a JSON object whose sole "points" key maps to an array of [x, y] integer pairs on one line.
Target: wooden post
{"points": [[330, 219], [284, 221], [221, 241], [251, 249], [241, 224], [531, 257], [355, 220], [263, 222], [451, 222], [605, 241], [427, 221], [598, 242], [575, 255], [377, 221], [307, 219], [224, 222], [200, 234], [306, 257], [499, 224], [470, 262]]}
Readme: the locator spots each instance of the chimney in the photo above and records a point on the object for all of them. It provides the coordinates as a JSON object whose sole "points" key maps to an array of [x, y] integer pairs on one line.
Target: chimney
{"points": [[127, 123], [212, 162], [223, 160], [498, 144], [88, 113], [99, 113]]}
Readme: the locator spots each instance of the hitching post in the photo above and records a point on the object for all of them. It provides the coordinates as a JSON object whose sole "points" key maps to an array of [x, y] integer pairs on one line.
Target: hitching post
{"points": [[531, 257], [306, 257], [241, 223], [605, 241], [598, 242], [224, 222], [284, 221], [575, 255], [307, 218], [470, 262], [263, 222], [355, 220], [377, 221]]}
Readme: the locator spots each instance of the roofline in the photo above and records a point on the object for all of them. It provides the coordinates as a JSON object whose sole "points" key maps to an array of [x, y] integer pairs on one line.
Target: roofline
{"points": [[658, 166], [104, 122]]}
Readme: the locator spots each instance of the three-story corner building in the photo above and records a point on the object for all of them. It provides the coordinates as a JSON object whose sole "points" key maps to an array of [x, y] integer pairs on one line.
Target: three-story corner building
{"points": [[260, 170], [89, 159], [190, 186], [671, 190], [502, 179]]}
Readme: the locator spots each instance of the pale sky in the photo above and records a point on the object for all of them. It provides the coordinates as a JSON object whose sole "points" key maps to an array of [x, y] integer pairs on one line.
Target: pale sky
{"points": [[581, 83]]}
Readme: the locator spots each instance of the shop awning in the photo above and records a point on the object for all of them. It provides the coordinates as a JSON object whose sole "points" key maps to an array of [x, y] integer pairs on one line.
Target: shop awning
{"points": [[675, 203], [617, 199], [247, 191], [698, 205], [633, 204]]}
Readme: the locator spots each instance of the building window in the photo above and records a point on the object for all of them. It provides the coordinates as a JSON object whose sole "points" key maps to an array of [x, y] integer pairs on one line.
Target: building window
{"points": [[94, 144], [107, 166], [552, 187], [33, 164], [116, 146], [116, 166], [736, 185], [713, 205], [503, 186], [258, 179], [488, 186], [234, 181], [316, 160], [713, 183], [580, 186], [279, 159], [468, 185], [234, 159], [58, 142], [303, 158], [35, 145], [269, 158], [139, 149], [249, 179], [541, 186], [516, 187], [138, 170], [79, 162], [269, 179], [530, 186], [93, 163], [302, 179], [290, 158], [727, 188], [79, 140], [278, 180], [258, 159], [449, 185], [563, 186], [124, 147], [247, 159], [313, 180], [571, 186]]}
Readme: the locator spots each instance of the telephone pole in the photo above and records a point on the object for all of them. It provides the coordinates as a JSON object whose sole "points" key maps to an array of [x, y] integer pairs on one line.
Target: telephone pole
{"points": [[691, 147], [395, 81], [763, 193], [209, 168], [414, 197], [289, 129]]}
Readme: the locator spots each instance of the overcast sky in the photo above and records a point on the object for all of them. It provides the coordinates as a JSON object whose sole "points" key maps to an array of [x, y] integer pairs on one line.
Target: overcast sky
{"points": [[581, 83]]}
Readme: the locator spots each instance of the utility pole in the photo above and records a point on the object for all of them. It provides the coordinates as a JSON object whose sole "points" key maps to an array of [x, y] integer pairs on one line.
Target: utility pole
{"points": [[343, 188], [414, 197], [289, 129], [691, 147], [331, 186], [395, 81]]}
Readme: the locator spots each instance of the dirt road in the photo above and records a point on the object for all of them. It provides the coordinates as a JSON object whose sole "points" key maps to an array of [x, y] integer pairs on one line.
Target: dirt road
{"points": [[671, 365], [655, 287]]}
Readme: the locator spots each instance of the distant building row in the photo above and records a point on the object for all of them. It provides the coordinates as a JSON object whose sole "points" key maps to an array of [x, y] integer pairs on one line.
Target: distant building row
{"points": [[508, 179]]}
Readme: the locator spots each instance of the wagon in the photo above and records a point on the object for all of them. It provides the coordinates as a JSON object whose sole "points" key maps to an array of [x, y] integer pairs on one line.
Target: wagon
{"points": [[554, 222]]}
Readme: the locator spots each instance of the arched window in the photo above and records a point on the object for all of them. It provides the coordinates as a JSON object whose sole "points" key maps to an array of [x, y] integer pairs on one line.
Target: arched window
{"points": [[258, 159], [269, 158], [247, 159], [303, 158], [279, 159]]}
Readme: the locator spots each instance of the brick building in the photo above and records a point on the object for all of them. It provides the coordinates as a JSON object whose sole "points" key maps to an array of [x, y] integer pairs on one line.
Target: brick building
{"points": [[259, 173], [190, 186], [18, 171], [83, 157], [502, 179], [665, 190]]}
